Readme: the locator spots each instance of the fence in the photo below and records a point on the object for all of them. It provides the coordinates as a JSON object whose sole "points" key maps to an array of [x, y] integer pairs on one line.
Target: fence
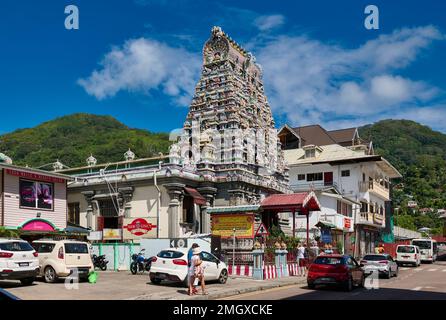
{"points": [[119, 255]]}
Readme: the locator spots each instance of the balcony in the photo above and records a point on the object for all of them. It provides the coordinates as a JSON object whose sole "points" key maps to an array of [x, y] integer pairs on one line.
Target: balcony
{"points": [[313, 185], [374, 187], [371, 218]]}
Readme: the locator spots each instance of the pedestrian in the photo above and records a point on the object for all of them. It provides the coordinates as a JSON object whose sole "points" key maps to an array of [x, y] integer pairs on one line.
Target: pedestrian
{"points": [[301, 258], [191, 279], [197, 271]]}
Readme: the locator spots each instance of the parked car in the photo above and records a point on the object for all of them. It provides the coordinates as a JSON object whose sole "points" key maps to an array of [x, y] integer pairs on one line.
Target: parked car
{"points": [[18, 261], [60, 258], [382, 263], [172, 265], [408, 254], [335, 269]]}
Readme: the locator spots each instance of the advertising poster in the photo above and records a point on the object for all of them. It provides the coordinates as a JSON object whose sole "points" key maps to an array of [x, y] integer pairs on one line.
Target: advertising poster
{"points": [[223, 225]]}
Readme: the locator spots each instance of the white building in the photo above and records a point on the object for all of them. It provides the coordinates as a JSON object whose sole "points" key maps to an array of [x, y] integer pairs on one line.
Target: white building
{"points": [[351, 183]]}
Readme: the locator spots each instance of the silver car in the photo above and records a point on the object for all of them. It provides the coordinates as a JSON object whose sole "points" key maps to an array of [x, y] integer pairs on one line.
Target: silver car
{"points": [[383, 263]]}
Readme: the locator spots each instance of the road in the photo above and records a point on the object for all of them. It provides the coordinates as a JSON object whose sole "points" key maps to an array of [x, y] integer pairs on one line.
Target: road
{"points": [[425, 282]]}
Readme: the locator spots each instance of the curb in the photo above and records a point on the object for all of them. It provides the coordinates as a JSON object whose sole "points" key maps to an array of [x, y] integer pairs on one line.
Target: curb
{"points": [[226, 293]]}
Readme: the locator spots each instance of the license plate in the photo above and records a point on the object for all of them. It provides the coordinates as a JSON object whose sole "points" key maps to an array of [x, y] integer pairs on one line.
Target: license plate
{"points": [[23, 264], [325, 279]]}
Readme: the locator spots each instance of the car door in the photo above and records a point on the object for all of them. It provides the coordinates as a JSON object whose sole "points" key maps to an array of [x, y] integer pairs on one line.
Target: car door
{"points": [[210, 264], [356, 270], [44, 250]]}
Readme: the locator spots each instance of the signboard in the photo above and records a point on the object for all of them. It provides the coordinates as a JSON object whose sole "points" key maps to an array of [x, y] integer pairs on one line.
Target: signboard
{"points": [[223, 225], [178, 243], [347, 223], [139, 228], [262, 231], [112, 234], [94, 235], [34, 176], [326, 235]]}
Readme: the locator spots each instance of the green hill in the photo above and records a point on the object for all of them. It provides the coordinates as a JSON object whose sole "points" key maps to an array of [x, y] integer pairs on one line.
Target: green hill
{"points": [[71, 139], [419, 153]]}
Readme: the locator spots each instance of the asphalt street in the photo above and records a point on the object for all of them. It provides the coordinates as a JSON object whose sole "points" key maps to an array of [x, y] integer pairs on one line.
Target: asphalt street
{"points": [[425, 282]]}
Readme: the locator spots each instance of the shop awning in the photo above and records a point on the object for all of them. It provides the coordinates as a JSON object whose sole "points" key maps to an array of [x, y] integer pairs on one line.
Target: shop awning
{"points": [[234, 209], [198, 198], [74, 228], [325, 224], [304, 201]]}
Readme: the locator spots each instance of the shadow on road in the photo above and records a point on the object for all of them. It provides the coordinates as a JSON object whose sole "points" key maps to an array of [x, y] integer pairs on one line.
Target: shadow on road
{"points": [[330, 293]]}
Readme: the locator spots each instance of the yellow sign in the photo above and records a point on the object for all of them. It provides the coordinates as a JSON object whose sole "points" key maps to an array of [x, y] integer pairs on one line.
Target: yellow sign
{"points": [[223, 225], [111, 234]]}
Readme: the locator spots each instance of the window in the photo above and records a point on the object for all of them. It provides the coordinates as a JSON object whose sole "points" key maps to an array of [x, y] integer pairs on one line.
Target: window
{"points": [[300, 177], [16, 246], [44, 247], [73, 212], [170, 254], [310, 153], [345, 173], [76, 248], [364, 207], [36, 195], [314, 176]]}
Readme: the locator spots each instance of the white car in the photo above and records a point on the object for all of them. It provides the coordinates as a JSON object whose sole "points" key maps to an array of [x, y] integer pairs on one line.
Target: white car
{"points": [[382, 263], [172, 264], [18, 261], [408, 254], [61, 258]]}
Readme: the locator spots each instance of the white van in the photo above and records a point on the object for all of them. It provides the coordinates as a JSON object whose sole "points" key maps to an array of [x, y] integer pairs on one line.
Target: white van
{"points": [[408, 254], [428, 249], [60, 258]]}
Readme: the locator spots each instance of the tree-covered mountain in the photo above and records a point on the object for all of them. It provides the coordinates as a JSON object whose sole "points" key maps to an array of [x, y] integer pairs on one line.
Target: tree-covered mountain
{"points": [[72, 139], [419, 153]]}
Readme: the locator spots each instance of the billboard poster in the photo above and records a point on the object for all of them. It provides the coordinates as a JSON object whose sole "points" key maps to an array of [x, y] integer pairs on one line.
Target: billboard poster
{"points": [[111, 234], [139, 228], [223, 225]]}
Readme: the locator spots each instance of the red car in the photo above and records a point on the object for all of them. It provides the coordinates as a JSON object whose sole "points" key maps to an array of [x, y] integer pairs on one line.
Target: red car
{"points": [[335, 269]]}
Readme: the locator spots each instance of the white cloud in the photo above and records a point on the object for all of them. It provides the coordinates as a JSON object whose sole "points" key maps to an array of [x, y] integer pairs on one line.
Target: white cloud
{"points": [[314, 82], [142, 65], [268, 22]]}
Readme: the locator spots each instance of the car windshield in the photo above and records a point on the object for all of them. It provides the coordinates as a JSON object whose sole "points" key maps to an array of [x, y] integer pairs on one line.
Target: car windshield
{"points": [[423, 244], [76, 248], [170, 254], [328, 260], [16, 246], [406, 249], [374, 257]]}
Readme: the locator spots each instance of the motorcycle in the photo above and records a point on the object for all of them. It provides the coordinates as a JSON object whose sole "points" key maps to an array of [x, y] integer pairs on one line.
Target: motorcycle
{"points": [[140, 263], [100, 262]]}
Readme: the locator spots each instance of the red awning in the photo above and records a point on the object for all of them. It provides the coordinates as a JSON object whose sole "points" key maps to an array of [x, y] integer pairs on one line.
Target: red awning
{"points": [[291, 202], [198, 198]]}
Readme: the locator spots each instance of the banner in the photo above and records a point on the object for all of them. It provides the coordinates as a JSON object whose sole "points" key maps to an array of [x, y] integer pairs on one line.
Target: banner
{"points": [[139, 228], [223, 225], [111, 234]]}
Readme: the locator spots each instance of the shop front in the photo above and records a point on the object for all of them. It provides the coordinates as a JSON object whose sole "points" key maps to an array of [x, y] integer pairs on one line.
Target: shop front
{"points": [[33, 202]]}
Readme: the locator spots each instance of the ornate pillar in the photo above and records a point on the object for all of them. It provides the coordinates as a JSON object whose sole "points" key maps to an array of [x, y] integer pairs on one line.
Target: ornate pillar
{"points": [[209, 193], [89, 198], [176, 193], [125, 197]]}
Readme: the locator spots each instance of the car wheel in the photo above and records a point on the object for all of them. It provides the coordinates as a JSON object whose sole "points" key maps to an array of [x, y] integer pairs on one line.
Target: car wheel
{"points": [[223, 276], [389, 274], [348, 286], [310, 285], [27, 281], [50, 275]]}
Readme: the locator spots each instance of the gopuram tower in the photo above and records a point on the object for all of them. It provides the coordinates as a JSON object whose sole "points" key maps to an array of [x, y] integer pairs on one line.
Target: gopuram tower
{"points": [[229, 136]]}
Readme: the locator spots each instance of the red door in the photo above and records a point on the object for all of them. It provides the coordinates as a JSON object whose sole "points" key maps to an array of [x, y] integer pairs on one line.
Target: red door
{"points": [[328, 178]]}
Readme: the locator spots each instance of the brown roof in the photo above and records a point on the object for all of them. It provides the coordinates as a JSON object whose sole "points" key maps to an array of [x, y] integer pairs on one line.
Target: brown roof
{"points": [[306, 200], [314, 134], [343, 135]]}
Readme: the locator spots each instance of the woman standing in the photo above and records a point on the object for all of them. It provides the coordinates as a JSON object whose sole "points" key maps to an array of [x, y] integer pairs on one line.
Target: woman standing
{"points": [[196, 271]]}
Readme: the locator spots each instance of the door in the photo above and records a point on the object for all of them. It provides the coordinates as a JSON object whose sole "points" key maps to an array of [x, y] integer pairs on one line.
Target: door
{"points": [[77, 254], [328, 178], [355, 270], [210, 264]]}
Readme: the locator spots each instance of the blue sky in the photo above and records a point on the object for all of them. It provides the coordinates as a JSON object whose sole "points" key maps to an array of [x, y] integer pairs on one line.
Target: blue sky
{"points": [[139, 60]]}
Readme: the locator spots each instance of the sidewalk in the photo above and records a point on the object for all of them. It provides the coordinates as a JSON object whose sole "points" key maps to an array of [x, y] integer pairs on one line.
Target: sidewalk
{"points": [[233, 287]]}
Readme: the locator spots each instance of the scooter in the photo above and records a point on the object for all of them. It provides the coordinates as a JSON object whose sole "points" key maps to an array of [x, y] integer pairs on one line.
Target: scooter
{"points": [[100, 262], [140, 263]]}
